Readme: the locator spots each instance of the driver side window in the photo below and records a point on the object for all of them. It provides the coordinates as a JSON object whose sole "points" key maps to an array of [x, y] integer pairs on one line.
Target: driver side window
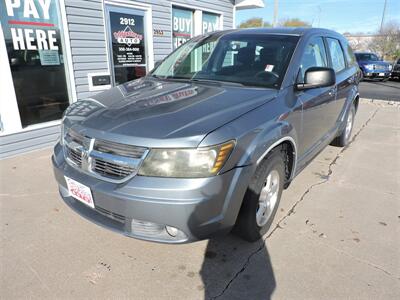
{"points": [[314, 56]]}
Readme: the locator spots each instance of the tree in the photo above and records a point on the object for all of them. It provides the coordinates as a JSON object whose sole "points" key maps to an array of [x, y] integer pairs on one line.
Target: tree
{"points": [[294, 22], [387, 41], [254, 22]]}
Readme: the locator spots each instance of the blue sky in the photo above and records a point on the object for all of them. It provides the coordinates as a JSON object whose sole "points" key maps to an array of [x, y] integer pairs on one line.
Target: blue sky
{"points": [[340, 15]]}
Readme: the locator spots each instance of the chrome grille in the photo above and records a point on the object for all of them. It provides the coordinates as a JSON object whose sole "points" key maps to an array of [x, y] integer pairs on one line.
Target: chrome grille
{"points": [[110, 169], [75, 142], [107, 160], [119, 149], [75, 156]]}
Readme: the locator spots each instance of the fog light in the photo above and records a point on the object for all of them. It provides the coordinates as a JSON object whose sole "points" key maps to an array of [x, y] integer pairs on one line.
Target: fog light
{"points": [[172, 231]]}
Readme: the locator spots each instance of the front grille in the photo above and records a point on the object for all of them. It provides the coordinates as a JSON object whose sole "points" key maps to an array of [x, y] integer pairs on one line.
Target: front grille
{"points": [[108, 160], [74, 143], [119, 149], [75, 156], [78, 138], [381, 67], [114, 216], [109, 169]]}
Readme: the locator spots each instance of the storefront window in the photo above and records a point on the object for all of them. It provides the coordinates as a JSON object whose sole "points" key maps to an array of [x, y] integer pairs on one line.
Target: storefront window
{"points": [[34, 47], [127, 38], [182, 26], [210, 22]]}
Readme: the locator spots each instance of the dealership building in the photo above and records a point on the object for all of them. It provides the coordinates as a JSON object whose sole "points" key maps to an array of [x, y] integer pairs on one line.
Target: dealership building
{"points": [[55, 52]]}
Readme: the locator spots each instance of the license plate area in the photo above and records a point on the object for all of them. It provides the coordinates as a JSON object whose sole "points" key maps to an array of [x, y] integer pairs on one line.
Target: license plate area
{"points": [[80, 192], [381, 74]]}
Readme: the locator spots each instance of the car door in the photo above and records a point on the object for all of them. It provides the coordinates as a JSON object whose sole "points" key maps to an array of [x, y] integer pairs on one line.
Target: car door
{"points": [[317, 102], [345, 78]]}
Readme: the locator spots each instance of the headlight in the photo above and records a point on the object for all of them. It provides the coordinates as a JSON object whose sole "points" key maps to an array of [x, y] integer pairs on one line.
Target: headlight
{"points": [[186, 163], [390, 67], [369, 66]]}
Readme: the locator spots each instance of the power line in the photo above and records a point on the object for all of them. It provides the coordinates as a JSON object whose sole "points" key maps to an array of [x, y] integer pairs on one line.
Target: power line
{"points": [[383, 15]]}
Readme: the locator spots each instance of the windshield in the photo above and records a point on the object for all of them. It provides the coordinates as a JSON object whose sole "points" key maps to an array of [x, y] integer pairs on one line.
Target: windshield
{"points": [[367, 56], [252, 60]]}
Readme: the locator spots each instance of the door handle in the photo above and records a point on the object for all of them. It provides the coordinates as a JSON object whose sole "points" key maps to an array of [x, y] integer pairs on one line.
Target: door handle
{"points": [[351, 80]]}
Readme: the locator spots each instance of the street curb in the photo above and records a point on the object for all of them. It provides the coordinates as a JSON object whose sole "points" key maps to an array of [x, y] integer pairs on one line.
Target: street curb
{"points": [[380, 102]]}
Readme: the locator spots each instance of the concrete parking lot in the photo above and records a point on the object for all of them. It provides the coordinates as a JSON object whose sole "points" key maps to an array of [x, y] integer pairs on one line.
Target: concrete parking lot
{"points": [[379, 90], [336, 236]]}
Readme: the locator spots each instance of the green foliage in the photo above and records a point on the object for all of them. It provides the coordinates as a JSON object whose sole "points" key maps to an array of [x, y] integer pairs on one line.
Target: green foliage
{"points": [[254, 22], [294, 22]]}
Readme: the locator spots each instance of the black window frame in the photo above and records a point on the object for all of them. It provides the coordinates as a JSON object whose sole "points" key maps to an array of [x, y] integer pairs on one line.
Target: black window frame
{"points": [[330, 57], [327, 57], [345, 45]]}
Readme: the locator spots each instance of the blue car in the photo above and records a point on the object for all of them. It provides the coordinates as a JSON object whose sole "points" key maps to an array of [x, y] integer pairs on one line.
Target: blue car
{"points": [[371, 66]]}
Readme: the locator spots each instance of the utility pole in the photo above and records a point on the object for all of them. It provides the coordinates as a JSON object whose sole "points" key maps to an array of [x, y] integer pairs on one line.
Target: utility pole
{"points": [[275, 23], [383, 15]]}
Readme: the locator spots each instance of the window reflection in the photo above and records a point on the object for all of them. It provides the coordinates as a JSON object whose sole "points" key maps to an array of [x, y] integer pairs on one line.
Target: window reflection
{"points": [[36, 60]]}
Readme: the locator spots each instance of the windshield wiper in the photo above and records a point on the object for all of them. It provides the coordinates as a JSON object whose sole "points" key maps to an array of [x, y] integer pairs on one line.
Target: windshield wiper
{"points": [[216, 81]]}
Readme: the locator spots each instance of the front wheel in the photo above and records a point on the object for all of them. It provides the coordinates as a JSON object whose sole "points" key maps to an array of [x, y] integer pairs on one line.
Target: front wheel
{"points": [[344, 138], [262, 197]]}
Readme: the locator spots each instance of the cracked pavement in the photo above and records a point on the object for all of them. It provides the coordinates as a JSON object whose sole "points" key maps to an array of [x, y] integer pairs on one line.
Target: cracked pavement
{"points": [[336, 235]]}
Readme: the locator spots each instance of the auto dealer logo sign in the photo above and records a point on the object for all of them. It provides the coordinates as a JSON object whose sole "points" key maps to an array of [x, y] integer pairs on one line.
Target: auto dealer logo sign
{"points": [[128, 37]]}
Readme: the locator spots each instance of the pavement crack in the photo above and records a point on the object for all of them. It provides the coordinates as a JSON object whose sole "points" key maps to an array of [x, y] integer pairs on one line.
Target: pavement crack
{"points": [[326, 178], [360, 260], [293, 208]]}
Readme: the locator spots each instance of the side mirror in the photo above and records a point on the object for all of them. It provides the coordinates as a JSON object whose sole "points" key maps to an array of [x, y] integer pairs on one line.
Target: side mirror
{"points": [[316, 77]]}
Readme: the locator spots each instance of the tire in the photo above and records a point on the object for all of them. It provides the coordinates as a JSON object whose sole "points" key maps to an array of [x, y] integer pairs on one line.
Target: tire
{"points": [[361, 75], [344, 138], [270, 173]]}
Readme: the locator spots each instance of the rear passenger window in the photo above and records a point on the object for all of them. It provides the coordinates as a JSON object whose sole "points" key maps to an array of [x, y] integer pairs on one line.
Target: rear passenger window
{"points": [[337, 55], [314, 56], [351, 59]]}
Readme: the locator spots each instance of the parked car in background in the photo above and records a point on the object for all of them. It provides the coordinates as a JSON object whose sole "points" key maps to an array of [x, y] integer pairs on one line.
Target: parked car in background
{"points": [[396, 69], [209, 139], [372, 67]]}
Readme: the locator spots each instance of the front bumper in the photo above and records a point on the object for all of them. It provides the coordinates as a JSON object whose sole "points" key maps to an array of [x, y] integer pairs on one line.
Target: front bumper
{"points": [[199, 207], [395, 73], [376, 74]]}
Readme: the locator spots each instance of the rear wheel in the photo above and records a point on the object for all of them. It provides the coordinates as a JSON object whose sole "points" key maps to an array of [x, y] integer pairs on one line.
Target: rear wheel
{"points": [[262, 197], [344, 138]]}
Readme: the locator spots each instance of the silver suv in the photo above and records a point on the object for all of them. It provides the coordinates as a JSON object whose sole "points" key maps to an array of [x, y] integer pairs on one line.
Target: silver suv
{"points": [[209, 139]]}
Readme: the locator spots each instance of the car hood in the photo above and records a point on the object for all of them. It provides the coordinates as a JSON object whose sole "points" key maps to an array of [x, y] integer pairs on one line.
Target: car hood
{"points": [[162, 113]]}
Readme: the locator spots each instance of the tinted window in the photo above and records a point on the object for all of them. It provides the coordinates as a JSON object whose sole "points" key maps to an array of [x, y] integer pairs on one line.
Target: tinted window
{"points": [[314, 56], [367, 56], [337, 55], [253, 60]]}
